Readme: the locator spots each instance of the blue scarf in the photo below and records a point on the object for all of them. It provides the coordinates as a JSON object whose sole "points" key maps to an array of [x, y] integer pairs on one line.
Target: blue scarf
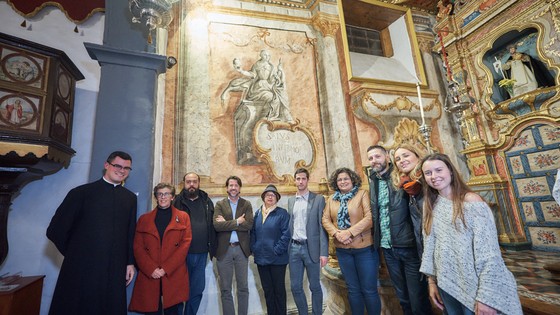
{"points": [[343, 218]]}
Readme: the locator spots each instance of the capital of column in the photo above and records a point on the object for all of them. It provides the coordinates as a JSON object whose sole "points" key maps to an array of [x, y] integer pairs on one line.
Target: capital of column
{"points": [[326, 25]]}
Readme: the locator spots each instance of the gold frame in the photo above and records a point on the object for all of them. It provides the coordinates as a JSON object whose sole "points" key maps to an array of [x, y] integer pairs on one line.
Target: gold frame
{"points": [[416, 55]]}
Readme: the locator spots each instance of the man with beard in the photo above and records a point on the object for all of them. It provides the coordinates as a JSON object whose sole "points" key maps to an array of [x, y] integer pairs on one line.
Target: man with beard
{"points": [[233, 219], [394, 233], [200, 208], [93, 229]]}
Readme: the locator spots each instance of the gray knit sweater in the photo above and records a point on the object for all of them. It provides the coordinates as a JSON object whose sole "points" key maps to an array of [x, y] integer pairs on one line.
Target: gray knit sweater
{"points": [[467, 262]]}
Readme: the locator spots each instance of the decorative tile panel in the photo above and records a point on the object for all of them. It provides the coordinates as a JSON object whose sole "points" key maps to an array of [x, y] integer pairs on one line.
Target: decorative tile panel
{"points": [[532, 162], [524, 141], [544, 160], [549, 134], [529, 211], [516, 165], [533, 187], [551, 211], [545, 237]]}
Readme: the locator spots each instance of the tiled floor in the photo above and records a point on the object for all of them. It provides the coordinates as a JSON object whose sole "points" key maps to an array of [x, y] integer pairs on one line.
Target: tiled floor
{"points": [[533, 281]]}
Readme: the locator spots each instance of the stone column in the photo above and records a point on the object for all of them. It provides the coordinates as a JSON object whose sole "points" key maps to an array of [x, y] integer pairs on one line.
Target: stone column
{"points": [[336, 129], [193, 108], [125, 113]]}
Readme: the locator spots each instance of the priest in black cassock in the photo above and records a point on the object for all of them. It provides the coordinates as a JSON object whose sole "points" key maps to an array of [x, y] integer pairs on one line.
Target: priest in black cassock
{"points": [[93, 229]]}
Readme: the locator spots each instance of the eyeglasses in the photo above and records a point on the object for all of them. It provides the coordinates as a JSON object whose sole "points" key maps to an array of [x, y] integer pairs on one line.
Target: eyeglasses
{"points": [[120, 167], [164, 194]]}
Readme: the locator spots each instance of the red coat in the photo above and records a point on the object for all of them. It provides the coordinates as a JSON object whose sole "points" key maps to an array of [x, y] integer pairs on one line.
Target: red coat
{"points": [[170, 255]]}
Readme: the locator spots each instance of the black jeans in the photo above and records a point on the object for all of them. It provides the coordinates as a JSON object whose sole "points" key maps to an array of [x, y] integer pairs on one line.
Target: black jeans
{"points": [[411, 287], [274, 287]]}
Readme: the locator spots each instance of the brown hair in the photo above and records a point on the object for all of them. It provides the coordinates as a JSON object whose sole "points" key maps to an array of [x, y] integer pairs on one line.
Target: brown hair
{"points": [[458, 192], [354, 177]]}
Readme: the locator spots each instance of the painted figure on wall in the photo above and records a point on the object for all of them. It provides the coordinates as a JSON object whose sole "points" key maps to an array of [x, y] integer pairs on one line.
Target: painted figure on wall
{"points": [[14, 112], [265, 97], [21, 69]]}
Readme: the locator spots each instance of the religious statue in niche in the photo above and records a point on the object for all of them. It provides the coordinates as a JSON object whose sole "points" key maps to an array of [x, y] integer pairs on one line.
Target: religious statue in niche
{"points": [[517, 69], [519, 74], [265, 96]]}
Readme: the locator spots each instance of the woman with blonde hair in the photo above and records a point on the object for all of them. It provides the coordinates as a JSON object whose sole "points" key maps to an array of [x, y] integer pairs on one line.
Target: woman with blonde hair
{"points": [[396, 194], [406, 175], [462, 258]]}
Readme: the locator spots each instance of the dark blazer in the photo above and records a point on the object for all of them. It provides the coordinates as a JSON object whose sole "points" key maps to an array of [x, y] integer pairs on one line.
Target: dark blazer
{"points": [[224, 229], [317, 239]]}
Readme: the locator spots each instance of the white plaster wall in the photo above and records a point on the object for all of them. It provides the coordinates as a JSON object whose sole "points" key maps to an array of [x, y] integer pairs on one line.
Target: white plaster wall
{"points": [[31, 253]]}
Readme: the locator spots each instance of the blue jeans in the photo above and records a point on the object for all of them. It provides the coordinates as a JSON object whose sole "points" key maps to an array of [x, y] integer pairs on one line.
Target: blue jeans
{"points": [[300, 261], [360, 268], [411, 287], [196, 265], [452, 306]]}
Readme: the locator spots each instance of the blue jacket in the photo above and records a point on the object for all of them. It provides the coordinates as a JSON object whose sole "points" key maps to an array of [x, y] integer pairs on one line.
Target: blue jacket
{"points": [[269, 241]]}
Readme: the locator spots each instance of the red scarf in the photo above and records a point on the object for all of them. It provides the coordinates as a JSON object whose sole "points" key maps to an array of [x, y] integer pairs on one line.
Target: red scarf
{"points": [[412, 187]]}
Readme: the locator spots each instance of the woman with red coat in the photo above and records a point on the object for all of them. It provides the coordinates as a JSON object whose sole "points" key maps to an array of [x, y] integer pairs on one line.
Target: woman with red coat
{"points": [[161, 243]]}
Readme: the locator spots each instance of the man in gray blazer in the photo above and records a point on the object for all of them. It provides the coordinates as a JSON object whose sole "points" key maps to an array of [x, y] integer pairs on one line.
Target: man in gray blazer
{"points": [[233, 219], [309, 245]]}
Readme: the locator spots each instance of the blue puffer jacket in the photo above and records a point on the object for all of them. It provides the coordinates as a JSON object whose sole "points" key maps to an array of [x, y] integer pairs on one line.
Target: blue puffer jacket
{"points": [[270, 240]]}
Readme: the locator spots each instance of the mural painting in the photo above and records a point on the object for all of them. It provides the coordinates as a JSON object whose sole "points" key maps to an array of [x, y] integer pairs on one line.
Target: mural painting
{"points": [[265, 101]]}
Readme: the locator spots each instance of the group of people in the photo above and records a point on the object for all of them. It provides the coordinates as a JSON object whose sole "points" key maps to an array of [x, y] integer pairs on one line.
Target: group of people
{"points": [[96, 231], [438, 239]]}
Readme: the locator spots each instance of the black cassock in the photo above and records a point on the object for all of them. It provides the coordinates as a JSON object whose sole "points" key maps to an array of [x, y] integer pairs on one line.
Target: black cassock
{"points": [[94, 229]]}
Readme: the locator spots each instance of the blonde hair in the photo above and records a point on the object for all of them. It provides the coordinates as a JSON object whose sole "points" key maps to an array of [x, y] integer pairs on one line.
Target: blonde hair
{"points": [[415, 174], [458, 192]]}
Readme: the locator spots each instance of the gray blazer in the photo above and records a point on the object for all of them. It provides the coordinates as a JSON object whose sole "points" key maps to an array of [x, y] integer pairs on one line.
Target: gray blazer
{"points": [[317, 239]]}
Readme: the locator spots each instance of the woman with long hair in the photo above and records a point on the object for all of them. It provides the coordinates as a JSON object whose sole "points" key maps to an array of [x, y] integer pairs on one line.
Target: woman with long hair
{"points": [[405, 217], [462, 258], [406, 175], [347, 219]]}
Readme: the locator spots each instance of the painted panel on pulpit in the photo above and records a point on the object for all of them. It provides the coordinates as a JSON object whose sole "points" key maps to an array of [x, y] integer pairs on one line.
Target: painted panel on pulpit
{"points": [[264, 111]]}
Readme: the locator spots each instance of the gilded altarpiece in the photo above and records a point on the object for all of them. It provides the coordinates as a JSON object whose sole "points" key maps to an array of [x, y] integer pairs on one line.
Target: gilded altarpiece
{"points": [[482, 42]]}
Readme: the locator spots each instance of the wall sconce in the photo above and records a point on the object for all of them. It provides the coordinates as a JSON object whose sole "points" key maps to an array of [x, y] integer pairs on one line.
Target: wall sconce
{"points": [[152, 13]]}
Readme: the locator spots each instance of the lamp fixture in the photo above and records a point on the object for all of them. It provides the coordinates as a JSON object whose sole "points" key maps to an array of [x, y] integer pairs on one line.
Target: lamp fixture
{"points": [[152, 13]]}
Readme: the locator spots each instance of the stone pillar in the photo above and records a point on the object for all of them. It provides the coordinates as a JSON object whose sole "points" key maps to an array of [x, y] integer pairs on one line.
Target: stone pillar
{"points": [[336, 129], [125, 113], [193, 108]]}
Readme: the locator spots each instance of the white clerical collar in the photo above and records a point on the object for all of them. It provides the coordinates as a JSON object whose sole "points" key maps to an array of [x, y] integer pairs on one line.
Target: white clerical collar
{"points": [[114, 185]]}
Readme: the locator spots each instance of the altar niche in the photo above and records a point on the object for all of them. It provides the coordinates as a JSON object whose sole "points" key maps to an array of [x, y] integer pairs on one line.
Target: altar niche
{"points": [[516, 67]]}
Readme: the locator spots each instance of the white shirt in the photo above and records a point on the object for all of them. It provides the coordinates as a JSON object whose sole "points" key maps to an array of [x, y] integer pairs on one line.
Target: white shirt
{"points": [[300, 217]]}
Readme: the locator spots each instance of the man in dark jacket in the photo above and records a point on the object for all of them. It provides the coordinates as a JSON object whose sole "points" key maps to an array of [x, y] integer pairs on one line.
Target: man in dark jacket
{"points": [[93, 229], [200, 208], [394, 233]]}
